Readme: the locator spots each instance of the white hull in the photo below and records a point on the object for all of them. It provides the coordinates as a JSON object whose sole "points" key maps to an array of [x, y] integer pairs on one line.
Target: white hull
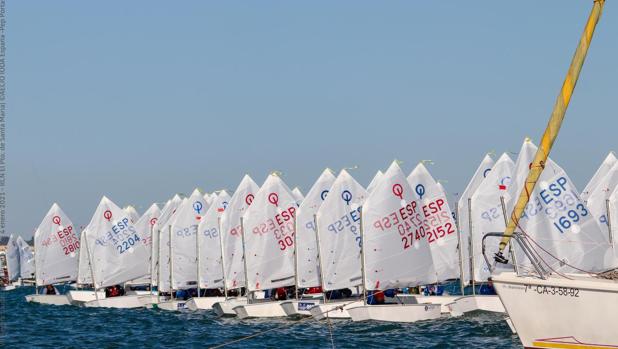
{"points": [[561, 313], [51, 299], [443, 301], [300, 307], [8, 288], [171, 305], [395, 312], [334, 310], [226, 308], [466, 304], [203, 303], [259, 310], [79, 297], [148, 300], [122, 302]]}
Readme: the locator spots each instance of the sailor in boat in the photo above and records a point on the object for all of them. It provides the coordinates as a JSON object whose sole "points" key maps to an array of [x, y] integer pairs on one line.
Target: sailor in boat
{"points": [[49, 290]]}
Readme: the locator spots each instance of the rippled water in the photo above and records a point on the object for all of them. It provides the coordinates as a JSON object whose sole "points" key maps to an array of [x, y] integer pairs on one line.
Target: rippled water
{"points": [[34, 325]]}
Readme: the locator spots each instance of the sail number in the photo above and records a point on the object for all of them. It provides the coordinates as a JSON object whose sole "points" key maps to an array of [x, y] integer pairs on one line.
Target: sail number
{"points": [[126, 244], [351, 221]]}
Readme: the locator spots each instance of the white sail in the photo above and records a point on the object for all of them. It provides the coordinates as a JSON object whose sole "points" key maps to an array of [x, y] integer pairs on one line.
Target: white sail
{"points": [[338, 221], [209, 239], [308, 265], [612, 219], [26, 259], [230, 228], [396, 251], [437, 223], [208, 199], [487, 215], [184, 241], [559, 221], [84, 274], [12, 259], [597, 198], [116, 252], [132, 213], [298, 195], [463, 217], [56, 248], [374, 181], [162, 247], [145, 230], [606, 165], [268, 230]]}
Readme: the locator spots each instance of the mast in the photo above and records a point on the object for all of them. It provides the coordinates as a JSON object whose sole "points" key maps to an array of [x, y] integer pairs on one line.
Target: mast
{"points": [[94, 283], [171, 262], [317, 242], [159, 268], [244, 258], [152, 251], [222, 258], [471, 246], [197, 257], [295, 261], [362, 251], [609, 223], [460, 241], [553, 126]]}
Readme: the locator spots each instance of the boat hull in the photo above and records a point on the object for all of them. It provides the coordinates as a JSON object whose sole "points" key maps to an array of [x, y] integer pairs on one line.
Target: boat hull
{"points": [[300, 307], [79, 297], [442, 301], [466, 304], [203, 303], [581, 312], [334, 310], [51, 299], [226, 308], [395, 312], [259, 310], [170, 305], [121, 302]]}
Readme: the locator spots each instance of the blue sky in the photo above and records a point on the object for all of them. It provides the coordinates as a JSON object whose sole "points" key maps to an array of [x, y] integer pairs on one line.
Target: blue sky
{"points": [[138, 100]]}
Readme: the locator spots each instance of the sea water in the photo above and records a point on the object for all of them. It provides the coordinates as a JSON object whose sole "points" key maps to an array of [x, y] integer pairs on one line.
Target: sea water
{"points": [[30, 325]]}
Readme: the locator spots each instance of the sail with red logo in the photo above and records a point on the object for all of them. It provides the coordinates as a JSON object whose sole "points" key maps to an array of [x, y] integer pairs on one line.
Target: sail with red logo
{"points": [[145, 231], [268, 231], [230, 229], [209, 240]]}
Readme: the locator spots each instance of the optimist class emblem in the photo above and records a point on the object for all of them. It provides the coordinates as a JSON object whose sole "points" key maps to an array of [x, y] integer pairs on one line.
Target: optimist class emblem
{"points": [[56, 220], [153, 221], [398, 190], [323, 195], [249, 199], [197, 207], [273, 198], [346, 196], [107, 215], [420, 190]]}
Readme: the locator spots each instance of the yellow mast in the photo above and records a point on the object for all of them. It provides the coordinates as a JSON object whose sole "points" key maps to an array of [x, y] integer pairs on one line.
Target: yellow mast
{"points": [[553, 126]]}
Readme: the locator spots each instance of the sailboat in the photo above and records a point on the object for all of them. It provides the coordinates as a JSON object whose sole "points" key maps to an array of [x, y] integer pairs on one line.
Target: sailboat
{"points": [[306, 249], [486, 214], [115, 252], [598, 202], [57, 248], [338, 239], [84, 287], [182, 256], [12, 264], [231, 240], [609, 161], [145, 226], [210, 272], [396, 250], [551, 308], [441, 229], [267, 231]]}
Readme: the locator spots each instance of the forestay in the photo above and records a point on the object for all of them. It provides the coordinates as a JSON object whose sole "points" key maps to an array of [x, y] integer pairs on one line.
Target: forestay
{"points": [[209, 239], [437, 223], [12, 258], [230, 228], [463, 217], [487, 215], [396, 252], [56, 248], [268, 231], [308, 265], [26, 259], [184, 241], [338, 222], [606, 165], [559, 221], [116, 252]]}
